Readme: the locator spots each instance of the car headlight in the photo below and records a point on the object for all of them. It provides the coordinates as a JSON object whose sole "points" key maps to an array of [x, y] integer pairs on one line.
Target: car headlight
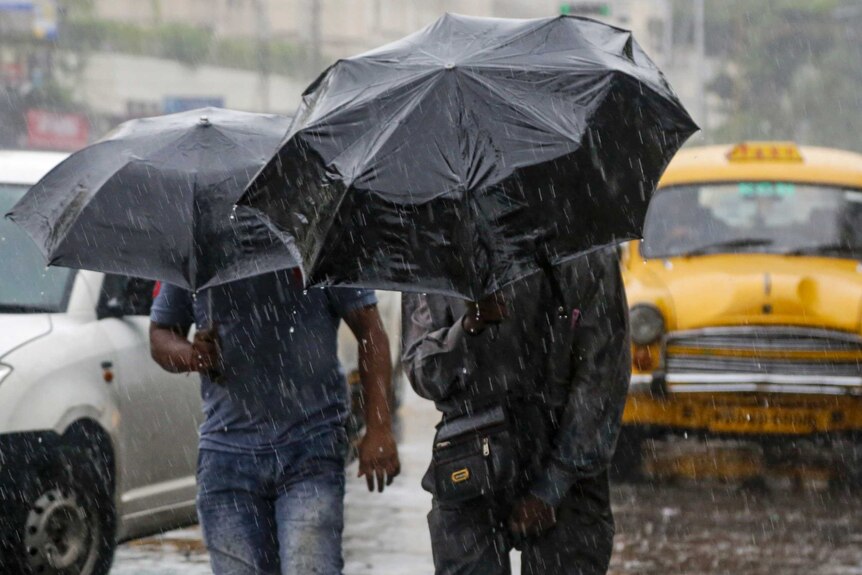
{"points": [[647, 324], [4, 371]]}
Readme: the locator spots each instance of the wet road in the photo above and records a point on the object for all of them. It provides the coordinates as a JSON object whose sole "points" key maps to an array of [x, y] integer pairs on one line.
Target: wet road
{"points": [[662, 528]]}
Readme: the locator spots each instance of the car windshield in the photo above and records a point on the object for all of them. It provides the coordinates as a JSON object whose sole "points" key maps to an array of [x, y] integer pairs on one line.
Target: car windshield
{"points": [[26, 284], [746, 217]]}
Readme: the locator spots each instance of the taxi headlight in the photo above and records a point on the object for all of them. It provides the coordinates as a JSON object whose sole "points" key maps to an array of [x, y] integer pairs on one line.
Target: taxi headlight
{"points": [[647, 324], [4, 371]]}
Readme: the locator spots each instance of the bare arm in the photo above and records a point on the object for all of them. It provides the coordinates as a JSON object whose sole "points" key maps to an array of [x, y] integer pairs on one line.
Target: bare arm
{"points": [[375, 369], [378, 453]]}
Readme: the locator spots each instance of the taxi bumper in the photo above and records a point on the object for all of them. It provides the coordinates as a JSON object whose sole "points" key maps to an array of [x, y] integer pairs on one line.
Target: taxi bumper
{"points": [[745, 404], [746, 383]]}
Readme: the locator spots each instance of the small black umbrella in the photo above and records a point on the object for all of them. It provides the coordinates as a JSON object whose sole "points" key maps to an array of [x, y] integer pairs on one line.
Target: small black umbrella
{"points": [[154, 199], [471, 154]]}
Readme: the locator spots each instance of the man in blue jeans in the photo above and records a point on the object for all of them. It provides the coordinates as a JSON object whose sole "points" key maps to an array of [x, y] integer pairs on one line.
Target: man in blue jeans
{"points": [[273, 441]]}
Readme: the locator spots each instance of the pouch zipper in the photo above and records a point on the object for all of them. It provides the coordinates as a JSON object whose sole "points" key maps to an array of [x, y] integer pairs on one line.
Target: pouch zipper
{"points": [[486, 450], [471, 436]]}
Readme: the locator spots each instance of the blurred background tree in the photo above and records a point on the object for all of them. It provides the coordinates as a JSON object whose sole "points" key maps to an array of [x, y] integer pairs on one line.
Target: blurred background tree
{"points": [[790, 69]]}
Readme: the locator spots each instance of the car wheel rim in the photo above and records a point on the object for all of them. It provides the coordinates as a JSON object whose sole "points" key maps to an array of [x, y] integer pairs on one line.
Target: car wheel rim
{"points": [[58, 537]]}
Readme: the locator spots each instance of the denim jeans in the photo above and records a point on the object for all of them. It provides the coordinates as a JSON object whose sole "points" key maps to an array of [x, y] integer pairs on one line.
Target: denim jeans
{"points": [[280, 512]]}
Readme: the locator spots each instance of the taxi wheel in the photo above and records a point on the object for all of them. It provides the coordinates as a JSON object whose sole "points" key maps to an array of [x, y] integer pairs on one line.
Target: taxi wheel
{"points": [[64, 522], [627, 462]]}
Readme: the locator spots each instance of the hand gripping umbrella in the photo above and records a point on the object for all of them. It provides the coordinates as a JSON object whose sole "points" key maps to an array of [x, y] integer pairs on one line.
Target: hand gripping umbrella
{"points": [[154, 199], [472, 153]]}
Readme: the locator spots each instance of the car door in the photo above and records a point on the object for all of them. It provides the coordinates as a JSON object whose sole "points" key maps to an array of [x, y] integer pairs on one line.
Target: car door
{"points": [[159, 411]]}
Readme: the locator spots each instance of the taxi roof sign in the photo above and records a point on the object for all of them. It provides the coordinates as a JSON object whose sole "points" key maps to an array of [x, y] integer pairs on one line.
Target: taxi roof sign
{"points": [[765, 152]]}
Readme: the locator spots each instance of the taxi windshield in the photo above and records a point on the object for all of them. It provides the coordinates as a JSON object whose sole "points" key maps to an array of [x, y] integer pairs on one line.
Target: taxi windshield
{"points": [[746, 217], [26, 284]]}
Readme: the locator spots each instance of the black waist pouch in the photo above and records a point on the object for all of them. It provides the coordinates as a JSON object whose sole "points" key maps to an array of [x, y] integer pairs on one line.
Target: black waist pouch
{"points": [[474, 456]]}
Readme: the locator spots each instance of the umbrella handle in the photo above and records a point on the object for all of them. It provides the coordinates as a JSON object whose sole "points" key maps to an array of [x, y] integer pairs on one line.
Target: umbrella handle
{"points": [[544, 263], [215, 375]]}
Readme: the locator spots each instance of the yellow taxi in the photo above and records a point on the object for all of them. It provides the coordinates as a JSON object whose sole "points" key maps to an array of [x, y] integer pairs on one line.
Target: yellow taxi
{"points": [[745, 296]]}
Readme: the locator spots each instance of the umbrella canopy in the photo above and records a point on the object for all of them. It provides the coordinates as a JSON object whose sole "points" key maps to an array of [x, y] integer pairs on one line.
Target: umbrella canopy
{"points": [[154, 199], [457, 159]]}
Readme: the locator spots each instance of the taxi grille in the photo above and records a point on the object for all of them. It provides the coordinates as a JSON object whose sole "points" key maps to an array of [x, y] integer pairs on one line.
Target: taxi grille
{"points": [[764, 350]]}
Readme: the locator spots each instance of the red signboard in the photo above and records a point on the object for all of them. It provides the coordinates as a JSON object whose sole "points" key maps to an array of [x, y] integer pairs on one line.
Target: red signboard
{"points": [[57, 131]]}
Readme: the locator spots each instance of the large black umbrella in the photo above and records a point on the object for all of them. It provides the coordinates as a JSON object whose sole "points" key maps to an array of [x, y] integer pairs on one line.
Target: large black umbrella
{"points": [[472, 153], [154, 199]]}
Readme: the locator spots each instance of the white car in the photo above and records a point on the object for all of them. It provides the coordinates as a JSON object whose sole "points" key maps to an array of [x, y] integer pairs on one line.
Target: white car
{"points": [[98, 444]]}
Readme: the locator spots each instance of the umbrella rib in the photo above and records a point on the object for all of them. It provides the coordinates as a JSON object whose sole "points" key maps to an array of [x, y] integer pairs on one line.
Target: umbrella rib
{"points": [[512, 99], [469, 268], [193, 260], [238, 130], [358, 99], [540, 24], [382, 136]]}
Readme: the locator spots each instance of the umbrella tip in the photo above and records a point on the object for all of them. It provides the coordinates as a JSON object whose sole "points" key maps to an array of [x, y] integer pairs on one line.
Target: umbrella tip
{"points": [[204, 121]]}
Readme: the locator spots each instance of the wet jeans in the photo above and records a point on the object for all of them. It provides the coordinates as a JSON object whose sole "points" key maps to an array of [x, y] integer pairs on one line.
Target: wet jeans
{"points": [[471, 538], [280, 512]]}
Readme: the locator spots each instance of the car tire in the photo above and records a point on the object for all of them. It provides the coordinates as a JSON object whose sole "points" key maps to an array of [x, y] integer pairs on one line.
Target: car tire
{"points": [[627, 462], [63, 520]]}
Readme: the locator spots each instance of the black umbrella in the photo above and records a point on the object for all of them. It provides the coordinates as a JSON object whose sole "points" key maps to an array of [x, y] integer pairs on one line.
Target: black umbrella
{"points": [[472, 153], [154, 199]]}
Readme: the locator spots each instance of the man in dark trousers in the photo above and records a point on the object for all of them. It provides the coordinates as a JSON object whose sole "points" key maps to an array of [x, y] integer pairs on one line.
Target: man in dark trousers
{"points": [[553, 351], [273, 441]]}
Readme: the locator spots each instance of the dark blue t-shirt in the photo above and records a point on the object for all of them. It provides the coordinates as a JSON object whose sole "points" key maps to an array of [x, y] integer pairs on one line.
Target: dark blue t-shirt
{"points": [[282, 381]]}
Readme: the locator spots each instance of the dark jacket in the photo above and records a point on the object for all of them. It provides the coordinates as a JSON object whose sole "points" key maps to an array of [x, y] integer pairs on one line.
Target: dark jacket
{"points": [[565, 378]]}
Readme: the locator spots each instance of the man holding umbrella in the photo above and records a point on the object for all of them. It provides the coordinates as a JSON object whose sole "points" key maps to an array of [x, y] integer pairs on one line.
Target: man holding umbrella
{"points": [[561, 378], [273, 443]]}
